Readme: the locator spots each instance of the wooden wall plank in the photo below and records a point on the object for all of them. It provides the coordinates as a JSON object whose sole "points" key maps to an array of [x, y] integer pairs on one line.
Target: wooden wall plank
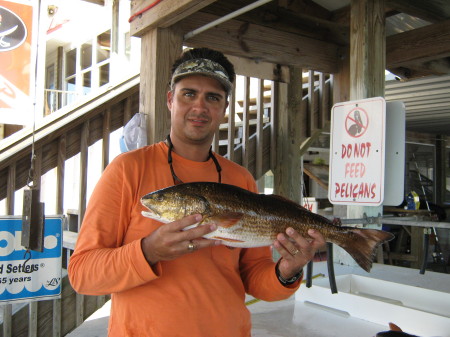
{"points": [[312, 104], [231, 125], [10, 189], [37, 173], [245, 127], [259, 129], [106, 133], [127, 110], [7, 319], [274, 117], [84, 137], [79, 309], [56, 327], [32, 319], [60, 174], [324, 99]]}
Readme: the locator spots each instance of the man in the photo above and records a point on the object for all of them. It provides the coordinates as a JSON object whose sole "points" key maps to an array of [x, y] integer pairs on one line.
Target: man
{"points": [[165, 281]]}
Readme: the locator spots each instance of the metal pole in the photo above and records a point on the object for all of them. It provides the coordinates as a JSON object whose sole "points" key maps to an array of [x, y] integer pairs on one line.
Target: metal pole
{"points": [[225, 18]]}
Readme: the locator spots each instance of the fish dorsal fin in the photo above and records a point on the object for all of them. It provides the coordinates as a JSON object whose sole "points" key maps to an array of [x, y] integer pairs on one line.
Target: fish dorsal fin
{"points": [[284, 199], [227, 219], [394, 327]]}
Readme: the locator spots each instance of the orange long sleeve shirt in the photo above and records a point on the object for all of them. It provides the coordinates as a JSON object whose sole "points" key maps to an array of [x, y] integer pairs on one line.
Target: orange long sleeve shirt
{"points": [[198, 294]]}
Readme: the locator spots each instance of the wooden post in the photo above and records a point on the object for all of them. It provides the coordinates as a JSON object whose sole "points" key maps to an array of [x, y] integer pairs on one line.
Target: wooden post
{"points": [[159, 49], [291, 131], [367, 49], [367, 78]]}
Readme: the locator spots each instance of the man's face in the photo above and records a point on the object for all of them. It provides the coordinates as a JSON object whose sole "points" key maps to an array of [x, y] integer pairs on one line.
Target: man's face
{"points": [[197, 105]]}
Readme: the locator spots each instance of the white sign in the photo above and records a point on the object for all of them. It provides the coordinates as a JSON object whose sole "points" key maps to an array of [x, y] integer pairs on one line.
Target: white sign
{"points": [[357, 152], [311, 204], [26, 276]]}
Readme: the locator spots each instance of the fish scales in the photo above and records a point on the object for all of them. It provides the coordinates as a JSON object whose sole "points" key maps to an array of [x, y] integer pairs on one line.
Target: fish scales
{"points": [[246, 219]]}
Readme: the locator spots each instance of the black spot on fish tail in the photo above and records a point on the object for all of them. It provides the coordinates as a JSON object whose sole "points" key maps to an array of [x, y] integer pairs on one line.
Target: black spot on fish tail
{"points": [[362, 244]]}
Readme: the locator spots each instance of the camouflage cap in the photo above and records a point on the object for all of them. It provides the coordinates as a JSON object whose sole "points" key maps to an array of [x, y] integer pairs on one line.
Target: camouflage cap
{"points": [[204, 67]]}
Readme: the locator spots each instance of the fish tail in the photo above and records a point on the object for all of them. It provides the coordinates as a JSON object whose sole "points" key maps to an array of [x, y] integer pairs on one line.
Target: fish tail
{"points": [[363, 245]]}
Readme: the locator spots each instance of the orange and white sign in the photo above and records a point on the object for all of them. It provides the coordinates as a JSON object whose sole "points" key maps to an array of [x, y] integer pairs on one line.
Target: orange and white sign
{"points": [[311, 204], [17, 54], [357, 152]]}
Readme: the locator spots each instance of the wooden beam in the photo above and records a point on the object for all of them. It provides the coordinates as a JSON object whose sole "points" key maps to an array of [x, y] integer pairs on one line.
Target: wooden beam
{"points": [[162, 15], [308, 19], [419, 45], [431, 11], [262, 44], [258, 69], [319, 181]]}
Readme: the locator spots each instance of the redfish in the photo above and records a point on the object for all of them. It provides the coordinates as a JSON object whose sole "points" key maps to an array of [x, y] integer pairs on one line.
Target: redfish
{"points": [[245, 219]]}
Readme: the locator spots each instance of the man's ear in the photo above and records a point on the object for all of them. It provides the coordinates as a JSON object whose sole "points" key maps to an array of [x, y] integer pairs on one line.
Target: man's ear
{"points": [[226, 106], [169, 99]]}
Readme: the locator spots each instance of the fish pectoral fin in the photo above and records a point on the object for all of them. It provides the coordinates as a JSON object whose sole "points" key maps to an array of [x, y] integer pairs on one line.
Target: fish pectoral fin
{"points": [[229, 219], [226, 239]]}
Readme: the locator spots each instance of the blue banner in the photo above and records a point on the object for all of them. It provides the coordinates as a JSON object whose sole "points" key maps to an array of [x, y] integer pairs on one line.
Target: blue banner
{"points": [[29, 275]]}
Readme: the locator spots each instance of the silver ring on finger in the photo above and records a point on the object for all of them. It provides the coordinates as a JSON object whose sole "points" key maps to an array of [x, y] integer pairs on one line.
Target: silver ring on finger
{"points": [[191, 246], [295, 252]]}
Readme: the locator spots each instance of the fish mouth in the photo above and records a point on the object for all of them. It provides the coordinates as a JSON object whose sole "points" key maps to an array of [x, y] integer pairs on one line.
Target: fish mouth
{"points": [[155, 216], [149, 212]]}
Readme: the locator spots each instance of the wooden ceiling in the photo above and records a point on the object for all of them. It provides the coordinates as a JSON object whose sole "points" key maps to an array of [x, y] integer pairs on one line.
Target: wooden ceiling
{"points": [[313, 34], [305, 33]]}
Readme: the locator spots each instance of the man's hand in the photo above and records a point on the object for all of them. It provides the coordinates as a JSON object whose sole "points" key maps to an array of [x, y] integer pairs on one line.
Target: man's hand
{"points": [[170, 241], [296, 251]]}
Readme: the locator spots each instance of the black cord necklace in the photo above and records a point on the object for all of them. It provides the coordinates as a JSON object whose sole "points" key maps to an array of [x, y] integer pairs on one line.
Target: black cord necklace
{"points": [[177, 180]]}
